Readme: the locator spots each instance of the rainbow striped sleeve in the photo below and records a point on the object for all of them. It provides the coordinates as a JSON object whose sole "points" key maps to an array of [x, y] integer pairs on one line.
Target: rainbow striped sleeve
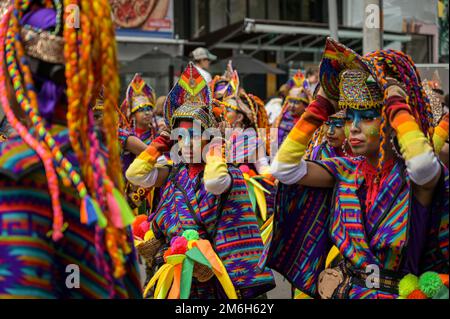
{"points": [[142, 170], [288, 165], [440, 134], [422, 164], [216, 177]]}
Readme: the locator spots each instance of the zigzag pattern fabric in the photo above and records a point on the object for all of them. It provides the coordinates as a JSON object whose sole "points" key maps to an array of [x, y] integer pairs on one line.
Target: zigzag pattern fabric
{"points": [[32, 265], [237, 239]]}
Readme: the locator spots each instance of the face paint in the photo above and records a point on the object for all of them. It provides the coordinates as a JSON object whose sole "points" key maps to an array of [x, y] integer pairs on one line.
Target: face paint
{"points": [[144, 109], [354, 118], [366, 121], [334, 123]]}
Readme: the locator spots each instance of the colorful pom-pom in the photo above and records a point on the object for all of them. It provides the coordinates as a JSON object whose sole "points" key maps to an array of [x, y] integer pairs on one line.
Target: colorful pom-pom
{"points": [[408, 284], [191, 234], [137, 231], [417, 294], [149, 235], [179, 246], [430, 283], [173, 240], [244, 169]]}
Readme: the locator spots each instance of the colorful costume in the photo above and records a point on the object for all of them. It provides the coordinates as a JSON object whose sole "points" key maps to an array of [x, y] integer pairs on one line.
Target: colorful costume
{"points": [[61, 211], [209, 198], [139, 98], [298, 93], [247, 147], [373, 217]]}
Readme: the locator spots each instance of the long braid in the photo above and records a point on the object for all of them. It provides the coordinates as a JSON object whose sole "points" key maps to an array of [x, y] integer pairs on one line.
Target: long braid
{"points": [[396, 64], [111, 82], [26, 136], [71, 72]]}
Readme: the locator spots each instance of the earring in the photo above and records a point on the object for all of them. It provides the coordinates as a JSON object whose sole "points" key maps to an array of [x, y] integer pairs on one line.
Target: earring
{"points": [[394, 147], [343, 148]]}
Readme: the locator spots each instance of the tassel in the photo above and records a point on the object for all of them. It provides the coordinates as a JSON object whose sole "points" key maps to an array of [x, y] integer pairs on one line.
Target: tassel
{"points": [[83, 211], [124, 209], [89, 216], [186, 278], [100, 217], [116, 218]]}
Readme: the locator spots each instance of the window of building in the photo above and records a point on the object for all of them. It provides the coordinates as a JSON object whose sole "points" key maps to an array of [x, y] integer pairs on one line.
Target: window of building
{"points": [[257, 9]]}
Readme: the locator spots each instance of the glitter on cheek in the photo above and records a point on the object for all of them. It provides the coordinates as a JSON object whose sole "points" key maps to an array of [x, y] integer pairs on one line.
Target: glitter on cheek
{"points": [[372, 131], [347, 130]]}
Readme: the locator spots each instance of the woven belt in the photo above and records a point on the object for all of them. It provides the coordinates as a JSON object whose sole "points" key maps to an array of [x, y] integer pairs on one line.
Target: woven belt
{"points": [[385, 280]]}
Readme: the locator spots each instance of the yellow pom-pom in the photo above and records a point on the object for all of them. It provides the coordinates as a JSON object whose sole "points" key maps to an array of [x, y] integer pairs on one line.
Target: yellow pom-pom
{"points": [[407, 285], [149, 235]]}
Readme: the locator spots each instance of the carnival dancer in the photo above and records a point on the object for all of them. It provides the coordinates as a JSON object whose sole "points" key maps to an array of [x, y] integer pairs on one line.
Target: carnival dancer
{"points": [[211, 202], [389, 211], [247, 145], [140, 121], [61, 203], [294, 105]]}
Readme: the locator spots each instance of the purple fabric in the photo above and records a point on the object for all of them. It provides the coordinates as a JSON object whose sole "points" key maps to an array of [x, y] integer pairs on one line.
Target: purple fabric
{"points": [[418, 230], [43, 18], [49, 97], [49, 94]]}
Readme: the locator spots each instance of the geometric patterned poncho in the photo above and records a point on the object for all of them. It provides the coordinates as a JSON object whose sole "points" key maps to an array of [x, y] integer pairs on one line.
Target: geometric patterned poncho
{"points": [[397, 234], [227, 221], [32, 265]]}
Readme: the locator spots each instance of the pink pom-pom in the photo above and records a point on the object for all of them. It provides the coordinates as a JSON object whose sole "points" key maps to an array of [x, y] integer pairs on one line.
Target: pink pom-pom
{"points": [[179, 245], [144, 227], [244, 169]]}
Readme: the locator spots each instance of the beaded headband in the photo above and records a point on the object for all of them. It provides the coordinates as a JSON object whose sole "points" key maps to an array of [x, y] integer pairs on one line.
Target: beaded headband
{"points": [[187, 112], [358, 90]]}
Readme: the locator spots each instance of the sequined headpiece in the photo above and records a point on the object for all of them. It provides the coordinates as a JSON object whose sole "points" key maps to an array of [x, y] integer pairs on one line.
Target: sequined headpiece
{"points": [[190, 99], [358, 90], [298, 88], [139, 95]]}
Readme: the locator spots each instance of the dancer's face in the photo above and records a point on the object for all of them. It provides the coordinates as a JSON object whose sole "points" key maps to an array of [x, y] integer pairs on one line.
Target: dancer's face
{"points": [[144, 117], [362, 129], [335, 133], [296, 106], [235, 118], [190, 143]]}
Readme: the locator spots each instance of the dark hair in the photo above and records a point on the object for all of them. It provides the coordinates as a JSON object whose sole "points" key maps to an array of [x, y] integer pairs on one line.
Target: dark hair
{"points": [[311, 71], [446, 100], [438, 91]]}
